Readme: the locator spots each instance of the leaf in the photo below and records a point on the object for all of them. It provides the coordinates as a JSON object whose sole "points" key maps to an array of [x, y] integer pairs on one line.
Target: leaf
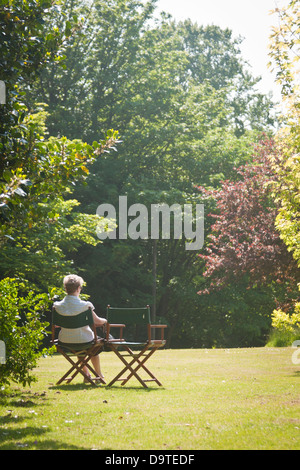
{"points": [[7, 175], [20, 192]]}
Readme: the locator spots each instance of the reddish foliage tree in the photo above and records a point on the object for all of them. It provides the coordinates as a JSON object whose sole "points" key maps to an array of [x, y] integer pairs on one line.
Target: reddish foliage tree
{"points": [[244, 239]]}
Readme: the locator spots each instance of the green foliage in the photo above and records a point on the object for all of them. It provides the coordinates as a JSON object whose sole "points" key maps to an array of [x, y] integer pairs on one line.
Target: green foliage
{"points": [[234, 317], [283, 321], [25, 47], [286, 327], [38, 226], [287, 195], [283, 338], [284, 47], [284, 54], [136, 77], [22, 330], [187, 111], [50, 167], [42, 253]]}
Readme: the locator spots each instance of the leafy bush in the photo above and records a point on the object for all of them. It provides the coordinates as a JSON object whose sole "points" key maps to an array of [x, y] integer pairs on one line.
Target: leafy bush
{"points": [[284, 321], [286, 327], [21, 329]]}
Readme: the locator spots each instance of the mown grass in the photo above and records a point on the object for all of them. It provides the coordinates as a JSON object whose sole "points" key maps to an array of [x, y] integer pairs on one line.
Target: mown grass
{"points": [[210, 399]]}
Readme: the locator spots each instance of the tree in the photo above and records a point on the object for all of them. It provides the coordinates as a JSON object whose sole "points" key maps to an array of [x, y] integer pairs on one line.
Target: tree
{"points": [[244, 247], [34, 170], [286, 193], [25, 47], [83, 96], [244, 239], [284, 48], [285, 56], [36, 176]]}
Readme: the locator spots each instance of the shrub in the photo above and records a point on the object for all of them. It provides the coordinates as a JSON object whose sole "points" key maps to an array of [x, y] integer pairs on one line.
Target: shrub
{"points": [[286, 327], [21, 329]]}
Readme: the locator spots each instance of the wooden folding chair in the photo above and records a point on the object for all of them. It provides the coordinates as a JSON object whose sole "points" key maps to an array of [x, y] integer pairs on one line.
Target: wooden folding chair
{"points": [[133, 354], [83, 352]]}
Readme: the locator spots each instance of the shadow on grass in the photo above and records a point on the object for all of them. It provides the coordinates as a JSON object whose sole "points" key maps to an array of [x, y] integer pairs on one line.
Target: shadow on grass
{"points": [[81, 386], [22, 398], [137, 388], [18, 433], [296, 373], [29, 438], [74, 387]]}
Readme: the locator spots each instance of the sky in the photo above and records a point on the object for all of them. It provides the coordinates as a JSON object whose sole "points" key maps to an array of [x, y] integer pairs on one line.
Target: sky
{"points": [[249, 19]]}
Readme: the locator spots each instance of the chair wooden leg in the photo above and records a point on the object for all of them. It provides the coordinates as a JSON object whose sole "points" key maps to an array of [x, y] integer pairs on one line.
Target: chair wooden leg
{"points": [[141, 364], [77, 369], [133, 370], [69, 371], [127, 367]]}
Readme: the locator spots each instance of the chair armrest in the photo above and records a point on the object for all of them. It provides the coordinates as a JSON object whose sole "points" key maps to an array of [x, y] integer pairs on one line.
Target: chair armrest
{"points": [[156, 326], [53, 329], [114, 325]]}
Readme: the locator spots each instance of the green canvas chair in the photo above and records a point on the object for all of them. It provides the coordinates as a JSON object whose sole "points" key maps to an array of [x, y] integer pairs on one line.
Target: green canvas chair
{"points": [[83, 352], [138, 347]]}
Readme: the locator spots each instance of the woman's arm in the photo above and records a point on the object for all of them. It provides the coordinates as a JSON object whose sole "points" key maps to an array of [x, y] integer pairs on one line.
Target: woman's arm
{"points": [[98, 320]]}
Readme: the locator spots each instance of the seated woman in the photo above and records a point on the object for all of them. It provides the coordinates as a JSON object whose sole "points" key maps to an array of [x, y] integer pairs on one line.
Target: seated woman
{"points": [[72, 305]]}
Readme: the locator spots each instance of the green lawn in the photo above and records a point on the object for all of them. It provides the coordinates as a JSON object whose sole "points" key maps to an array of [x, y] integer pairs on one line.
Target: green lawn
{"points": [[210, 399]]}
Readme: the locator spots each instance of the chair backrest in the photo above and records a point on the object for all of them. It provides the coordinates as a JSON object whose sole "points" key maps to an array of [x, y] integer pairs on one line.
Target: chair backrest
{"points": [[73, 321], [137, 321], [129, 316]]}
